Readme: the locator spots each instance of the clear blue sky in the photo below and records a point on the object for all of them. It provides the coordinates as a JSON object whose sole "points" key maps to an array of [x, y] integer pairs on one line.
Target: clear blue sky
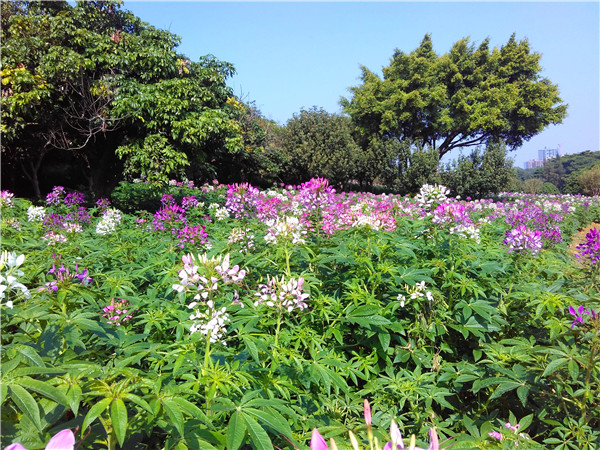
{"points": [[294, 55]]}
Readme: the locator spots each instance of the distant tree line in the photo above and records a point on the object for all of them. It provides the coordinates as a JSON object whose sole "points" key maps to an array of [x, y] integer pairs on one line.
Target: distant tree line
{"points": [[91, 95], [577, 173]]}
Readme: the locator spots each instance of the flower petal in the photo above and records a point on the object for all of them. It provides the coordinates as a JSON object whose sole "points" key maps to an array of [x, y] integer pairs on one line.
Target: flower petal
{"points": [[317, 442], [63, 440]]}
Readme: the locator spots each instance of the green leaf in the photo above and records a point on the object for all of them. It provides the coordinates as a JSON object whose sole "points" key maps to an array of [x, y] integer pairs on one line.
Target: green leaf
{"points": [[251, 346], [276, 422], [174, 413], [94, 412], [191, 409], [31, 355], [504, 387], [522, 393], [118, 417], [236, 431], [45, 389], [555, 365], [258, 435], [26, 403]]}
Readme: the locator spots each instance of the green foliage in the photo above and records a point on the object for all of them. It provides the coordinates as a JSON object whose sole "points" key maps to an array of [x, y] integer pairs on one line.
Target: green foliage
{"points": [[320, 145], [92, 78], [154, 159], [590, 181], [480, 174], [469, 96]]}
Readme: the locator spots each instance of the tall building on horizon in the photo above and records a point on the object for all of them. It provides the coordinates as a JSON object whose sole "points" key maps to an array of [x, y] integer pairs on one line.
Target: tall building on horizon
{"points": [[548, 153]]}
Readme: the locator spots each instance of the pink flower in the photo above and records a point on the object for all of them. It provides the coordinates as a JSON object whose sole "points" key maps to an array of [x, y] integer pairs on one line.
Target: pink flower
{"points": [[496, 435], [63, 440], [367, 413], [317, 442]]}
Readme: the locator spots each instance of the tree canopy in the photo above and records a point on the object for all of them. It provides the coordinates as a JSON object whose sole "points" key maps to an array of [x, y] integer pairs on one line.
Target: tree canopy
{"points": [[466, 97], [95, 80]]}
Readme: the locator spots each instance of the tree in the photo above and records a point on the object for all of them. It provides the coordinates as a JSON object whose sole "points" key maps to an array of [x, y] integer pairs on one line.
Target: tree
{"points": [[91, 78], [467, 97], [403, 167], [554, 172], [590, 181], [480, 174], [319, 144]]}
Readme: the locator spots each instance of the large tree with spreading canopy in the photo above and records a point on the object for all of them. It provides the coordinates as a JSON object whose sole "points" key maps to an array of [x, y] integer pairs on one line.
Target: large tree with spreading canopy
{"points": [[95, 83], [469, 96]]}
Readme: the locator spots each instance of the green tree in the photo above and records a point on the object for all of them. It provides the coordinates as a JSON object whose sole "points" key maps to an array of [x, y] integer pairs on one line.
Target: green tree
{"points": [[480, 174], [590, 181], [554, 172], [404, 167], [319, 144], [533, 186], [467, 97], [93, 77]]}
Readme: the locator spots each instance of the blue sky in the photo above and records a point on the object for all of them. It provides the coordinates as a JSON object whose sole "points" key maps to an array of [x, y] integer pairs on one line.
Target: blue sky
{"points": [[294, 55]]}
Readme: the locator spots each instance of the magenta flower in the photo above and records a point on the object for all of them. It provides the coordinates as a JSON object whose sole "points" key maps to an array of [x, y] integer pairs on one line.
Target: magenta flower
{"points": [[63, 440], [578, 314], [317, 442], [495, 435], [591, 247]]}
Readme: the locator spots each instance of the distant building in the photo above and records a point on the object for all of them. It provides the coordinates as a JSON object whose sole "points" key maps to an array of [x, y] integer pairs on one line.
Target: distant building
{"points": [[543, 155], [533, 163], [548, 153]]}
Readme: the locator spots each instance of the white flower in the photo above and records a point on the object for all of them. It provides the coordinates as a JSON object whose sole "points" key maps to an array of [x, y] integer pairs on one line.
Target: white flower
{"points": [[109, 221], [8, 278], [36, 213]]}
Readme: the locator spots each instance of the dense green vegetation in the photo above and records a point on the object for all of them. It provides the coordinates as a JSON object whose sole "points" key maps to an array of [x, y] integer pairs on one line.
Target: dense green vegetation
{"points": [[565, 173], [230, 317]]}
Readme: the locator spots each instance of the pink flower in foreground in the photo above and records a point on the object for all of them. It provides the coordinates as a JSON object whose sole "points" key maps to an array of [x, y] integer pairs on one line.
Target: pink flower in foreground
{"points": [[63, 440], [317, 442]]}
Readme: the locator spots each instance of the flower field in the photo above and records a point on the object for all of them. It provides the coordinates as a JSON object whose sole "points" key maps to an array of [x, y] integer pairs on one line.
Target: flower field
{"points": [[224, 316]]}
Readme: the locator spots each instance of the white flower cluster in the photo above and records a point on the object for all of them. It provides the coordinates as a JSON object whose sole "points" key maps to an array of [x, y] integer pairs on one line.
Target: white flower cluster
{"points": [[212, 322], [54, 238], [109, 221], [285, 229], [244, 237], [73, 228], [371, 221], [467, 232], [219, 212], [281, 294], [8, 278], [430, 195], [417, 291], [36, 213]]}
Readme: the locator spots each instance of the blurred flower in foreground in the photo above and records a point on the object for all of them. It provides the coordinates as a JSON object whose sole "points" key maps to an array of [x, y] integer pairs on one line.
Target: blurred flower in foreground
{"points": [[63, 440]]}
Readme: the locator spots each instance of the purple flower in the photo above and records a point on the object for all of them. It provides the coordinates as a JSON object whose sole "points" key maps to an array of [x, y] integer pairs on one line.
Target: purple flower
{"points": [[523, 240], [75, 198], [317, 442], [55, 197], [578, 314], [591, 247], [103, 203]]}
